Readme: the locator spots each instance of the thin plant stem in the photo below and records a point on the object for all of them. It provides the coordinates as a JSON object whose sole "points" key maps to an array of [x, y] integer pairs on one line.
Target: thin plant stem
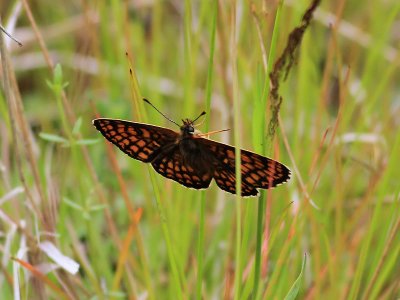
{"points": [[200, 243], [238, 175], [262, 198]]}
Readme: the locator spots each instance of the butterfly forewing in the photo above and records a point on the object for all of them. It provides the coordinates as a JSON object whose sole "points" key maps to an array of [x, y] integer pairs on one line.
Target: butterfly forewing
{"points": [[140, 141], [257, 171], [262, 172]]}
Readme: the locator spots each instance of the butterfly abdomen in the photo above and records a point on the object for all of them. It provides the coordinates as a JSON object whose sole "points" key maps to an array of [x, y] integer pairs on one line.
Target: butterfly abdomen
{"points": [[196, 156]]}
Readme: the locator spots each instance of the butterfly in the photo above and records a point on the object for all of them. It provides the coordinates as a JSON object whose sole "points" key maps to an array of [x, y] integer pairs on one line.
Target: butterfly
{"points": [[190, 159]]}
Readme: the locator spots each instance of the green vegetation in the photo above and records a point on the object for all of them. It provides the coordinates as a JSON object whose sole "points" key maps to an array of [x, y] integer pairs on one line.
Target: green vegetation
{"points": [[331, 232]]}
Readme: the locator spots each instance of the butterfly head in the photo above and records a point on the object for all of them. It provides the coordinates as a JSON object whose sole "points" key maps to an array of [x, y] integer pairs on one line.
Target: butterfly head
{"points": [[187, 129]]}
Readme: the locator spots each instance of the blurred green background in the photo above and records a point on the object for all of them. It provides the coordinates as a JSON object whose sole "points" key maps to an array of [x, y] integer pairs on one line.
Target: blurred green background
{"points": [[331, 232]]}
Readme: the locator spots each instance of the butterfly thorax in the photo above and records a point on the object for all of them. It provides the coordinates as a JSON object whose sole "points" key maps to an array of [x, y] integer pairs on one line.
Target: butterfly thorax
{"points": [[193, 153]]}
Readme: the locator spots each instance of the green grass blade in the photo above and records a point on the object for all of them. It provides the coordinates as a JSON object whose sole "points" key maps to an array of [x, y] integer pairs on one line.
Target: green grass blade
{"points": [[260, 138], [294, 290]]}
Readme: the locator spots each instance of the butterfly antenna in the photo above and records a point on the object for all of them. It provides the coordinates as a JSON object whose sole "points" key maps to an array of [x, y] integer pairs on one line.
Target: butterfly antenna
{"points": [[199, 124], [148, 102], [202, 114]]}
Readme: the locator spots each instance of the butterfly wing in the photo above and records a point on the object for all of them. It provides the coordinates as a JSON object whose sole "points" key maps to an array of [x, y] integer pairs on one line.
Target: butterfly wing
{"points": [[161, 147], [225, 178], [171, 164], [140, 141], [257, 171]]}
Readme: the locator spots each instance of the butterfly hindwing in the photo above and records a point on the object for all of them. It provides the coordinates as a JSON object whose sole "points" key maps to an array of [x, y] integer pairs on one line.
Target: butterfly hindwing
{"points": [[225, 179], [171, 165], [140, 141]]}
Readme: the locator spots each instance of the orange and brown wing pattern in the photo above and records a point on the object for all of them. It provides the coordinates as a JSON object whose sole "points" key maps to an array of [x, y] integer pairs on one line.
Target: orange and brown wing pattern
{"points": [[257, 171], [140, 141], [225, 179], [171, 165]]}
